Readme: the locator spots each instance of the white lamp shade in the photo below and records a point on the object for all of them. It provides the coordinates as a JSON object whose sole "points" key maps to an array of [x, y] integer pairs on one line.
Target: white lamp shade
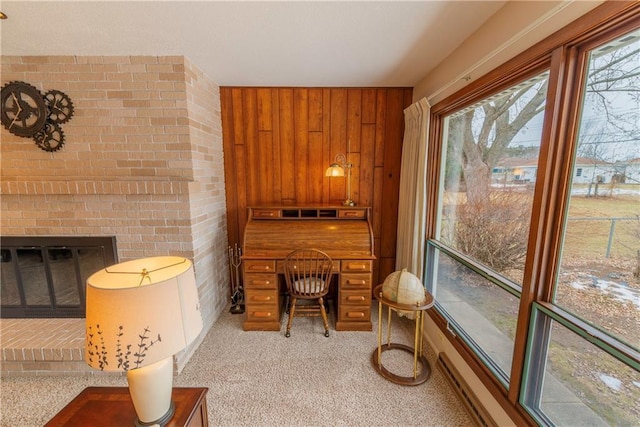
{"points": [[134, 320]]}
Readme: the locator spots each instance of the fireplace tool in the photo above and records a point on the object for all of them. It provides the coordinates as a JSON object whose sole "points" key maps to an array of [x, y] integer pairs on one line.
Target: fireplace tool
{"points": [[237, 292]]}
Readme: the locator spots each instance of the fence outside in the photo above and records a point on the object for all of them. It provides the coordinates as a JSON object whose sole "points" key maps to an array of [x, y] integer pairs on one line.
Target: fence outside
{"points": [[616, 235]]}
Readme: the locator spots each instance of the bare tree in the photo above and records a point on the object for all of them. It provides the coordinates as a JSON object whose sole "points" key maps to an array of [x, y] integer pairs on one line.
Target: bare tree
{"points": [[479, 136]]}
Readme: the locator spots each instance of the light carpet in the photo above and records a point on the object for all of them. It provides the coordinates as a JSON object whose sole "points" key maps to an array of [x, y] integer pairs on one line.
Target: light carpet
{"points": [[265, 379]]}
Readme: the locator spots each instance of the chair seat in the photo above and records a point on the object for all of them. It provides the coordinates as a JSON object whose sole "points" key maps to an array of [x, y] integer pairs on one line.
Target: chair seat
{"points": [[309, 285]]}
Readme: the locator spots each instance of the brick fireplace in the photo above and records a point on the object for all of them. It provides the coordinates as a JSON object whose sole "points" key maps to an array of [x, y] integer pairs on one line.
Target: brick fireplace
{"points": [[142, 162]]}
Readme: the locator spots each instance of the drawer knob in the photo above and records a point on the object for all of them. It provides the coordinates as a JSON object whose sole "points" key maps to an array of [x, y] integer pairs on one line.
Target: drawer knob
{"points": [[261, 282], [360, 267], [355, 298], [356, 282], [261, 298]]}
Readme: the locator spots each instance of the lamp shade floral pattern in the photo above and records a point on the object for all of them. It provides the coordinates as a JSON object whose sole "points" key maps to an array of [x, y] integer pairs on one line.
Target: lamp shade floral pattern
{"points": [[140, 312]]}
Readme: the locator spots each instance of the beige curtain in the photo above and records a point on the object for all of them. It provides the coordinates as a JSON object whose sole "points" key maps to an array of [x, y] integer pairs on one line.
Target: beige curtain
{"points": [[413, 184]]}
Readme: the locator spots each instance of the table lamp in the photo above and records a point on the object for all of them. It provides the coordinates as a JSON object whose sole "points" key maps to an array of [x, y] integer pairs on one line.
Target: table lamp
{"points": [[139, 314], [338, 167]]}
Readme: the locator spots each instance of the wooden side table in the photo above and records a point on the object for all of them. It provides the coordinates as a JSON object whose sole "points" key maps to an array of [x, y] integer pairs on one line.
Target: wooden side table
{"points": [[419, 376], [112, 406]]}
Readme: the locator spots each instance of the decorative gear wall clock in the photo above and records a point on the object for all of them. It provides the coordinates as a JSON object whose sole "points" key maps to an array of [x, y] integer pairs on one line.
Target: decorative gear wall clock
{"points": [[23, 109], [26, 112]]}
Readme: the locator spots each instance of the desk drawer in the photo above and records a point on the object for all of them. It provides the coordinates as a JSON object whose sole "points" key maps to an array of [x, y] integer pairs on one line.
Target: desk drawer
{"points": [[352, 213], [260, 281], [335, 267], [259, 266], [351, 313], [262, 313], [355, 297], [261, 296], [356, 266], [266, 213], [360, 281]]}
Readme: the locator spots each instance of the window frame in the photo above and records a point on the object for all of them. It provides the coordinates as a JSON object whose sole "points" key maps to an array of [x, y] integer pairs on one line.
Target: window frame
{"points": [[563, 54]]}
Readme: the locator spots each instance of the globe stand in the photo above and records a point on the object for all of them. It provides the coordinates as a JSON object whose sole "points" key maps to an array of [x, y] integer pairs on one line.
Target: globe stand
{"points": [[419, 375]]}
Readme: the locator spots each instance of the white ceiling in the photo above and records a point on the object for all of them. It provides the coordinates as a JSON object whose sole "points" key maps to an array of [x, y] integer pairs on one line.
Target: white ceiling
{"points": [[259, 43]]}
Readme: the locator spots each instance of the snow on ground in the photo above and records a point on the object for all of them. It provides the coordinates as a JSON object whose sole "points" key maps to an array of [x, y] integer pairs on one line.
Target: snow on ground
{"points": [[618, 291], [611, 382]]}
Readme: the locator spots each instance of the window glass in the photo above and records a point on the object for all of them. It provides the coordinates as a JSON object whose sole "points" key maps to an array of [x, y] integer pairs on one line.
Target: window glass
{"points": [[599, 277], [484, 313], [9, 294], [62, 267], [34, 277], [578, 384], [490, 163]]}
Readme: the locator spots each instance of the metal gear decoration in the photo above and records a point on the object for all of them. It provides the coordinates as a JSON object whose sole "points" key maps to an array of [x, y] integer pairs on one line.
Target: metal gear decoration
{"points": [[50, 138], [60, 106], [23, 110], [26, 112]]}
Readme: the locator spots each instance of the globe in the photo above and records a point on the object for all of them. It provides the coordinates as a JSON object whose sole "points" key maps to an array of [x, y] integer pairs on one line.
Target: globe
{"points": [[404, 288]]}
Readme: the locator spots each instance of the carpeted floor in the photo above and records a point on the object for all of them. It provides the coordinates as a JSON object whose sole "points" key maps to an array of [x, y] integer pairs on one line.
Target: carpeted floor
{"points": [[265, 379]]}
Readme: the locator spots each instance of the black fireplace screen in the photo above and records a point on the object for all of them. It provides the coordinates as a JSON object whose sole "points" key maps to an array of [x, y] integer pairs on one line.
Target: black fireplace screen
{"points": [[46, 276]]}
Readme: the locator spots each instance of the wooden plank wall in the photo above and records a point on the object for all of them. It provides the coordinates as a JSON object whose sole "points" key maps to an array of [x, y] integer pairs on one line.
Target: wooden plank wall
{"points": [[278, 141]]}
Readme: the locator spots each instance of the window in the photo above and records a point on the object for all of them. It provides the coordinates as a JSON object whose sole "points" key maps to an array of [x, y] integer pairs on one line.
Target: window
{"points": [[597, 281], [533, 232], [602, 231], [483, 221], [581, 384]]}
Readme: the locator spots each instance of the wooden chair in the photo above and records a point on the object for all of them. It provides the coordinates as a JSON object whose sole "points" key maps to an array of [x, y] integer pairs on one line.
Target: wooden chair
{"points": [[308, 275]]}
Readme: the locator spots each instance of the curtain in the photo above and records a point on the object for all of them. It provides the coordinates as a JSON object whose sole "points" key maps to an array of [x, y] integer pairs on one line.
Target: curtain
{"points": [[413, 184]]}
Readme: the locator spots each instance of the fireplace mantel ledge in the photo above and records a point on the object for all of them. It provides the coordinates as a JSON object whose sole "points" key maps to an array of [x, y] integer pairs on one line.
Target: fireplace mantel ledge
{"points": [[91, 187]]}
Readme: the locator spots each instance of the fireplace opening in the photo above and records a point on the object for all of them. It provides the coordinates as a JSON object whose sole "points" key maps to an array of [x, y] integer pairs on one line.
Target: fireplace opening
{"points": [[44, 277]]}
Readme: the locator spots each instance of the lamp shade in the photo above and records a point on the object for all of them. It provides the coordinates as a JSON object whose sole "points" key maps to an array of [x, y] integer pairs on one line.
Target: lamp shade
{"points": [[140, 312], [334, 169]]}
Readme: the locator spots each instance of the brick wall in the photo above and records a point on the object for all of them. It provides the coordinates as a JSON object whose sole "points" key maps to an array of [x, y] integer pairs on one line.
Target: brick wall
{"points": [[142, 161]]}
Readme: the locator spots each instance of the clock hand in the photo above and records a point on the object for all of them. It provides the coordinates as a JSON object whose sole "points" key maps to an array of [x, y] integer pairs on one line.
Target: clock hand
{"points": [[13, 121], [15, 99]]}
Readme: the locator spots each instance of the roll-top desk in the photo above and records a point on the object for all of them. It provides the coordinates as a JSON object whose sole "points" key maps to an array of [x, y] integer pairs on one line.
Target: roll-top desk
{"points": [[342, 232]]}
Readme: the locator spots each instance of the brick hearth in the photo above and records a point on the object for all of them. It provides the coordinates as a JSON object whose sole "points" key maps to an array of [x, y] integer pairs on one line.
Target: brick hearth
{"points": [[43, 347]]}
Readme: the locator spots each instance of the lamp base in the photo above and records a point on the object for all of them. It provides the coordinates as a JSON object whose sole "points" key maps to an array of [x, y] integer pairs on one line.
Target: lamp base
{"points": [[348, 202], [150, 388], [159, 422]]}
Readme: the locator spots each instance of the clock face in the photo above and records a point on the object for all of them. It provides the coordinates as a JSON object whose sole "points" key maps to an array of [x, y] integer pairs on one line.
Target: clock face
{"points": [[60, 106], [23, 110]]}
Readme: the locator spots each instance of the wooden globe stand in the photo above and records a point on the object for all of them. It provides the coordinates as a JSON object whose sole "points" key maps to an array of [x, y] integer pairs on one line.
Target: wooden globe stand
{"points": [[419, 376]]}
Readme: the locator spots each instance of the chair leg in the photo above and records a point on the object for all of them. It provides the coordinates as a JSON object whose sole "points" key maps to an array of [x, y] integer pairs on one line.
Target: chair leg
{"points": [[324, 317], [292, 309]]}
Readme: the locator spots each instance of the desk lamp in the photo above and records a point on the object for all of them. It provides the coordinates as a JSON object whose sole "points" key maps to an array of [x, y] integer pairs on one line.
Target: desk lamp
{"points": [[139, 314], [337, 169]]}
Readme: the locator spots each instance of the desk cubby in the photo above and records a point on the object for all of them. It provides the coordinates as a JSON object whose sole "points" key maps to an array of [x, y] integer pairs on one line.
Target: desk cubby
{"points": [[308, 213]]}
